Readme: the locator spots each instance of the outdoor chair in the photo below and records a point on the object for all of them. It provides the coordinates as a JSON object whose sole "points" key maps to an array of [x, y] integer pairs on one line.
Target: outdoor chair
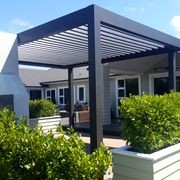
{"points": [[83, 114]]}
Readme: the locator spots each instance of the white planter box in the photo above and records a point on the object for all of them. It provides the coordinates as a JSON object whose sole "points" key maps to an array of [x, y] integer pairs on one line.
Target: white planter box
{"points": [[163, 164], [47, 123]]}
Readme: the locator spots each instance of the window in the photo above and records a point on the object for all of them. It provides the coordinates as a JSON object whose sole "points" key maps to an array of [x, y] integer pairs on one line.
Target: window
{"points": [[63, 96], [81, 94], [51, 95], [178, 83], [132, 87], [7, 101], [161, 85], [121, 88], [35, 94], [125, 87]]}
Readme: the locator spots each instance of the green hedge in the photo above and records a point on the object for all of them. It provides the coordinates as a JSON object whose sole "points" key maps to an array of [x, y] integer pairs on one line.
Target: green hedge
{"points": [[41, 108], [30, 154], [151, 122]]}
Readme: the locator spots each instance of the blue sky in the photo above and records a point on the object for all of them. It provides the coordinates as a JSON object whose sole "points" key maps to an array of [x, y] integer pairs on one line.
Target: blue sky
{"points": [[20, 15]]}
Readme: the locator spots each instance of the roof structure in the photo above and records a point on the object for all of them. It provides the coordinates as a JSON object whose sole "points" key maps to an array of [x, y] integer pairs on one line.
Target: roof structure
{"points": [[92, 36], [64, 41]]}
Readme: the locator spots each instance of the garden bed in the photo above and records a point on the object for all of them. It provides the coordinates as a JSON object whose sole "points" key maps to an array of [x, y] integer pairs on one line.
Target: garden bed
{"points": [[163, 164]]}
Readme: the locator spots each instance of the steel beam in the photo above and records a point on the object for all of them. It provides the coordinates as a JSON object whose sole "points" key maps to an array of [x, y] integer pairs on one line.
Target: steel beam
{"points": [[48, 65], [172, 70], [95, 80], [136, 55], [71, 97], [56, 26]]}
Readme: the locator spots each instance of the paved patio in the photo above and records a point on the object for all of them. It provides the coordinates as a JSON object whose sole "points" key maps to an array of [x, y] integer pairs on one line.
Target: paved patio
{"points": [[113, 129], [109, 141], [112, 133]]}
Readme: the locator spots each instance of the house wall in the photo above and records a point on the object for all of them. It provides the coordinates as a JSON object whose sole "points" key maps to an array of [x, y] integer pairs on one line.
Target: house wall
{"points": [[106, 96], [113, 96], [76, 84], [144, 83], [109, 92], [110, 86]]}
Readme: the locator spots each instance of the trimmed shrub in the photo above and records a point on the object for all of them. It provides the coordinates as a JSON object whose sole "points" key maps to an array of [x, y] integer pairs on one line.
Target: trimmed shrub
{"points": [[31, 154], [41, 108], [151, 122]]}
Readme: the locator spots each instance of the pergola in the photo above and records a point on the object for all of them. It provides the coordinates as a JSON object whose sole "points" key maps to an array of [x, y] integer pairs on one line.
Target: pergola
{"points": [[93, 36]]}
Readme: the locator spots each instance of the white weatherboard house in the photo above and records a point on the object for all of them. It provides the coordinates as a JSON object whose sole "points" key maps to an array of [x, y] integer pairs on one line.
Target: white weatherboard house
{"points": [[143, 75], [12, 91]]}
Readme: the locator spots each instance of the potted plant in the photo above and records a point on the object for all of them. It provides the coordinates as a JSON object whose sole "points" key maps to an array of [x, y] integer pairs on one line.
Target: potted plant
{"points": [[43, 112], [151, 126]]}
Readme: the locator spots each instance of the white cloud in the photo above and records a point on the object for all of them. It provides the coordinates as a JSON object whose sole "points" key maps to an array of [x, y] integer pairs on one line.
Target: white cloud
{"points": [[131, 9], [151, 3], [21, 23], [142, 9], [17, 25], [175, 22], [134, 9]]}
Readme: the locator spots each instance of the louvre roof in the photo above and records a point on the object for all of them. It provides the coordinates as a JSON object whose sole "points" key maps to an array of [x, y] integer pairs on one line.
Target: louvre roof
{"points": [[65, 41], [92, 36]]}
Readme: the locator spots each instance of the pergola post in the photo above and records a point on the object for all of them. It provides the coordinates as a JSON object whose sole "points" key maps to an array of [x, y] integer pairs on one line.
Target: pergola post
{"points": [[71, 97], [172, 70], [95, 81]]}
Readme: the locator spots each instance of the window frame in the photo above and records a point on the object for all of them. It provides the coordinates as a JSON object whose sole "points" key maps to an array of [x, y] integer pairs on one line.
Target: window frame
{"points": [[35, 89], [157, 75], [84, 88], [50, 89], [63, 87], [116, 88]]}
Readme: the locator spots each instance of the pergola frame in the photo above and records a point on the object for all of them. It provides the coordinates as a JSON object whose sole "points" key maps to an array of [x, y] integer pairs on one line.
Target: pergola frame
{"points": [[92, 36]]}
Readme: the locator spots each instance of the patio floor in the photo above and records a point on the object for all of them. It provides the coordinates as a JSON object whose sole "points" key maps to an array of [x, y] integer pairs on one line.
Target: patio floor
{"points": [[111, 133], [109, 141], [112, 129]]}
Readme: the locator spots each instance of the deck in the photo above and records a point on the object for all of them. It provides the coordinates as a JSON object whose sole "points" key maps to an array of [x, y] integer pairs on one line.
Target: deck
{"points": [[84, 127]]}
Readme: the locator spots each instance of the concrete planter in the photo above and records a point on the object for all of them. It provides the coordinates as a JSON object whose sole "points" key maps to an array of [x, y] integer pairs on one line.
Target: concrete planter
{"points": [[47, 123], [163, 164]]}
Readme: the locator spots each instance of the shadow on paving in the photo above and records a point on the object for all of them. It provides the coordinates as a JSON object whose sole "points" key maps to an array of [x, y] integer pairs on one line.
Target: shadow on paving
{"points": [[113, 129], [111, 134]]}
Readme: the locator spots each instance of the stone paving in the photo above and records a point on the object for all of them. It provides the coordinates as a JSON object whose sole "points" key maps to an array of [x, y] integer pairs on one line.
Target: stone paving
{"points": [[109, 141]]}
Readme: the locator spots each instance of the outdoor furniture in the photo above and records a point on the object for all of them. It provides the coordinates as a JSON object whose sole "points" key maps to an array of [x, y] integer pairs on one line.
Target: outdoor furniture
{"points": [[82, 115]]}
